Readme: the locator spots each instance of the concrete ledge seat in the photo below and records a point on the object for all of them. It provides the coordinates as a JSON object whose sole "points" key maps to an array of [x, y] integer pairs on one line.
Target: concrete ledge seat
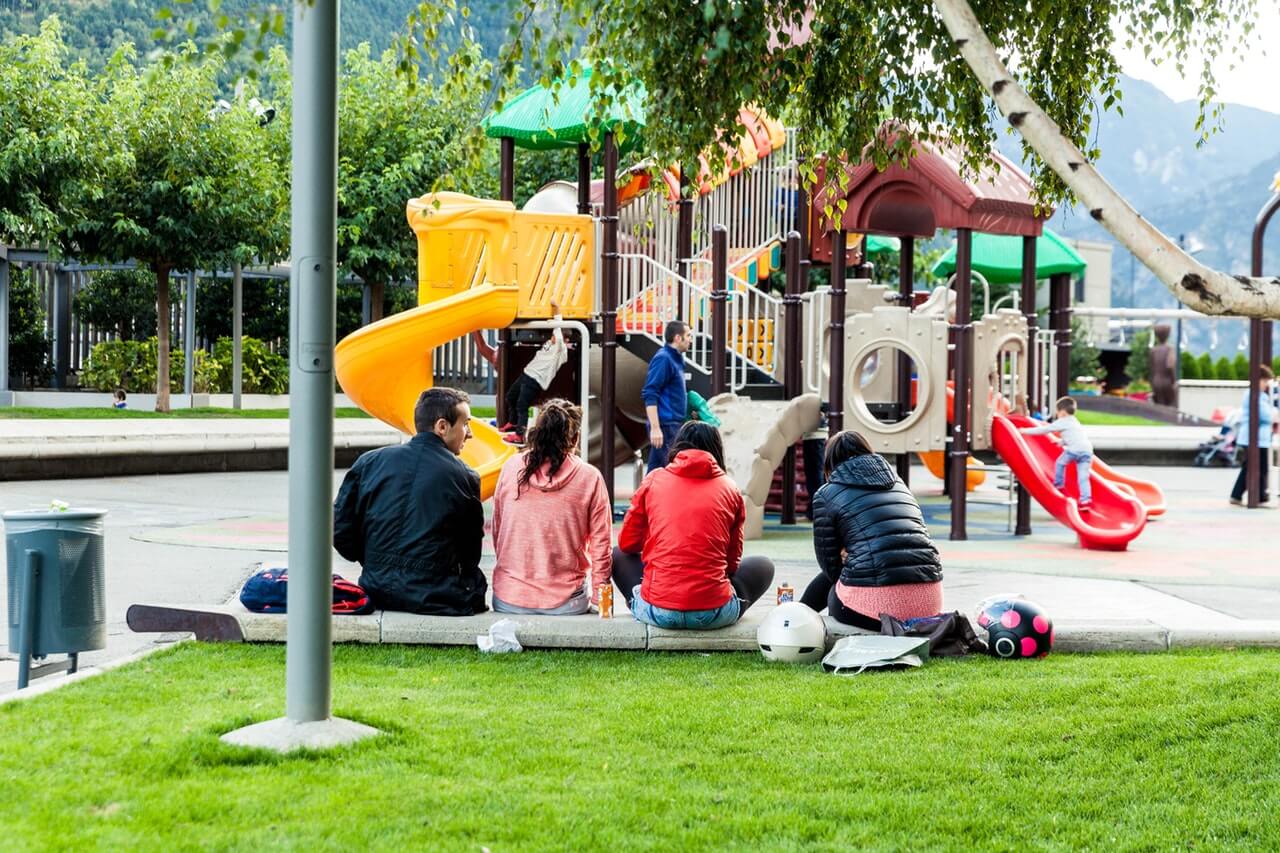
{"points": [[232, 623]]}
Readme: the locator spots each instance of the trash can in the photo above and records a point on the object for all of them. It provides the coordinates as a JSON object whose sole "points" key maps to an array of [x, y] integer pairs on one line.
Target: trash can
{"points": [[56, 580]]}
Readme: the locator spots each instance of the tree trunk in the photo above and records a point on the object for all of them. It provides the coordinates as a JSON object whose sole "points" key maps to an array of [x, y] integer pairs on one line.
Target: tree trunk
{"points": [[1195, 285], [162, 338]]}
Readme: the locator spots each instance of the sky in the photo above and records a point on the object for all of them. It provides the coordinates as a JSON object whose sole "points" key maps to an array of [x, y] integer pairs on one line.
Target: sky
{"points": [[1252, 83]]}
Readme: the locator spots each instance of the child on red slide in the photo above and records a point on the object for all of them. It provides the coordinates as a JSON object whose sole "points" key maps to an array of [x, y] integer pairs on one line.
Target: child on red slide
{"points": [[1076, 448]]}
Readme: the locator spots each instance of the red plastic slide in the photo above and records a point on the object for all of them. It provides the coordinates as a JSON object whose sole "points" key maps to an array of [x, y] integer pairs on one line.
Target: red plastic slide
{"points": [[1116, 516]]}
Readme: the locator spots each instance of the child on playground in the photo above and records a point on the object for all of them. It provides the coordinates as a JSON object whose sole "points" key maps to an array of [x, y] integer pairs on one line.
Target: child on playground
{"points": [[118, 399], [536, 378], [1076, 448]]}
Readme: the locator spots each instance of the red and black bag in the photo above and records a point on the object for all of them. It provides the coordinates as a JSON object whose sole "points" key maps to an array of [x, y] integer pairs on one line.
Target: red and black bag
{"points": [[268, 592]]}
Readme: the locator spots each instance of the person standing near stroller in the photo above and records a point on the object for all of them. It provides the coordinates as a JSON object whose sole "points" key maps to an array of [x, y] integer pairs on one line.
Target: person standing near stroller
{"points": [[1266, 423]]}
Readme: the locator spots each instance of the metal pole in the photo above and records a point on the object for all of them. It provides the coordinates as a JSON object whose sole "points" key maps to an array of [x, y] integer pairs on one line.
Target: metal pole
{"points": [[1022, 526], [1061, 323], [584, 178], [609, 310], [906, 286], [61, 326], [189, 342], [4, 324], [792, 379], [312, 294], [835, 364], [961, 330], [719, 314], [237, 333], [1254, 457]]}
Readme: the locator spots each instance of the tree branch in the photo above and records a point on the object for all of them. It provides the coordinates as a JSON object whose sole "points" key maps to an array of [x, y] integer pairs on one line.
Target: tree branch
{"points": [[1194, 285]]}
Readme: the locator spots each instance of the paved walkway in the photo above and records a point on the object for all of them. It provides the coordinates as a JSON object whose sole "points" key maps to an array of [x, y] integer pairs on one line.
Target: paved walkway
{"points": [[1204, 569]]}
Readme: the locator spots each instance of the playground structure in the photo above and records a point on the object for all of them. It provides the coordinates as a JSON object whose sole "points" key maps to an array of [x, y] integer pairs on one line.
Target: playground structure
{"points": [[913, 378]]}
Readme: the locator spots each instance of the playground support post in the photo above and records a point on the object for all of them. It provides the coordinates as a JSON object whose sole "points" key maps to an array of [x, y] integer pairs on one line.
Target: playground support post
{"points": [[719, 313], [835, 368], [1060, 322], [237, 334], [906, 284], [609, 310], [791, 375], [584, 178], [507, 192], [684, 235], [961, 330], [1259, 351], [1027, 299]]}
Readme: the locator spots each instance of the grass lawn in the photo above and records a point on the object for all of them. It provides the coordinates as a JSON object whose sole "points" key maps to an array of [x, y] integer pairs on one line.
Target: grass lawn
{"points": [[1107, 419], [105, 413], [565, 750]]}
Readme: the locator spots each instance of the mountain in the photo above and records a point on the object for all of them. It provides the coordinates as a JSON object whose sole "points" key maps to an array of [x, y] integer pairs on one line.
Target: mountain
{"points": [[1208, 195]]}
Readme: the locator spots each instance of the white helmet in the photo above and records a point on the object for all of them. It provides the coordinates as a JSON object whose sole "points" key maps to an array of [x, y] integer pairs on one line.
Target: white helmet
{"points": [[792, 633]]}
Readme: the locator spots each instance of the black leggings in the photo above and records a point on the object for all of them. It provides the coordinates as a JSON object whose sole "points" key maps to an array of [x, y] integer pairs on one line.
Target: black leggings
{"points": [[821, 592], [750, 581], [520, 396]]}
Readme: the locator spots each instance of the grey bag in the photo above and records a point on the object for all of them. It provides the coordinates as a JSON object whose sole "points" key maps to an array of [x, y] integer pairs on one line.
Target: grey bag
{"points": [[852, 655]]}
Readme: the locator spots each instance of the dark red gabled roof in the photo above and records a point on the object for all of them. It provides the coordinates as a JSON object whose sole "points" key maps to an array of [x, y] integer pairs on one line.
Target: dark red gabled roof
{"points": [[927, 195]]}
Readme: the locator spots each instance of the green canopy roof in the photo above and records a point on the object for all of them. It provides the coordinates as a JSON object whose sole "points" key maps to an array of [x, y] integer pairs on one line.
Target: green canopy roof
{"points": [[999, 259], [557, 116], [877, 245]]}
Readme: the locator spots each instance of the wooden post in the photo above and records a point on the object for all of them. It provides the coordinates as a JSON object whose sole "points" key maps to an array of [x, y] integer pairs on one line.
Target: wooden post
{"points": [[609, 310], [719, 312], [791, 372], [507, 191], [584, 178], [906, 285], [961, 330], [1027, 298], [684, 235], [835, 366]]}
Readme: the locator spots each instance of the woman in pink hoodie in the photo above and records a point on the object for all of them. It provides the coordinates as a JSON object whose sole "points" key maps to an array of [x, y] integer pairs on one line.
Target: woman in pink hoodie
{"points": [[552, 522]]}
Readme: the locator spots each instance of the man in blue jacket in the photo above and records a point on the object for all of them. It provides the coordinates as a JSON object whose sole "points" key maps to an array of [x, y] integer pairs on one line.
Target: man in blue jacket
{"points": [[1266, 420], [665, 401]]}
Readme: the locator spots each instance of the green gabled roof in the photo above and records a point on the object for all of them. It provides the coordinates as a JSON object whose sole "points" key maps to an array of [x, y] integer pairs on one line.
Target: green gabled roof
{"points": [[560, 115]]}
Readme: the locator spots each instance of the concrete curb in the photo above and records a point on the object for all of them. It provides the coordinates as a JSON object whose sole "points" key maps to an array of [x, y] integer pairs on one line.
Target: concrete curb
{"points": [[624, 633]]}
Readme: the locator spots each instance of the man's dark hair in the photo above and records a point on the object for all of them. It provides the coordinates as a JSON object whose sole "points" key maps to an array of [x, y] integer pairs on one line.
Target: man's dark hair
{"points": [[842, 447], [675, 327], [697, 435], [1266, 372], [1066, 404], [437, 403]]}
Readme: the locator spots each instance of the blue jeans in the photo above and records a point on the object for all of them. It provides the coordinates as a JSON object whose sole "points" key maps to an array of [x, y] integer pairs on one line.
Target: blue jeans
{"points": [[658, 455], [696, 620], [1083, 462]]}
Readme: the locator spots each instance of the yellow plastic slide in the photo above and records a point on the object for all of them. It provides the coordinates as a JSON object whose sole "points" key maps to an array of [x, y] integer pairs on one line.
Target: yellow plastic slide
{"points": [[936, 462], [385, 366]]}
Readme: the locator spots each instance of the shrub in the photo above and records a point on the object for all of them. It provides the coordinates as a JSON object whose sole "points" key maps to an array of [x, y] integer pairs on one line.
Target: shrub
{"points": [[1190, 366], [1138, 367], [29, 349], [1205, 363], [131, 365], [1084, 359], [123, 301], [1240, 366], [261, 370], [1223, 370], [1275, 365]]}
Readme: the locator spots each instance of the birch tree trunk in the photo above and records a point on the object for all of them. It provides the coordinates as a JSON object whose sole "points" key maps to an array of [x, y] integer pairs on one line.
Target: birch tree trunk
{"points": [[1195, 285]]}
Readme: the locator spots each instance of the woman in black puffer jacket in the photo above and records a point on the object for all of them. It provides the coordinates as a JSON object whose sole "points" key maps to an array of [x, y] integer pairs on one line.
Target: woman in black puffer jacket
{"points": [[871, 541]]}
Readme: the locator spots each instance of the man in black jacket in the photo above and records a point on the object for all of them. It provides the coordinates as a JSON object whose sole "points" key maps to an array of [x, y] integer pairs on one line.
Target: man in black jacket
{"points": [[411, 515]]}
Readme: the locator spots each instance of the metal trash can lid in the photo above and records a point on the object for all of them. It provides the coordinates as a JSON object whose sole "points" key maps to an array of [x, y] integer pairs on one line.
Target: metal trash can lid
{"points": [[79, 514]]}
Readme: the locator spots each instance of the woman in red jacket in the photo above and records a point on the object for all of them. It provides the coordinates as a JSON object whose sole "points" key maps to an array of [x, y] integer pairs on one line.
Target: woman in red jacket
{"points": [[679, 557]]}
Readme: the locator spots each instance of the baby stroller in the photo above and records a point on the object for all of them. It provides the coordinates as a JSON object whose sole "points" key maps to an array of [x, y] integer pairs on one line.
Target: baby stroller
{"points": [[1222, 448]]}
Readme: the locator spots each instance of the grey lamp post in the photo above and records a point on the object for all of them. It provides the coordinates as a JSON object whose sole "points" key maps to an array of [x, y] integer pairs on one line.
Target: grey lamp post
{"points": [[312, 293]]}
